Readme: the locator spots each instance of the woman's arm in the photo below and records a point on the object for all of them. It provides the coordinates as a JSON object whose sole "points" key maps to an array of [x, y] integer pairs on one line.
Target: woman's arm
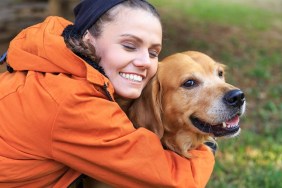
{"points": [[95, 137]]}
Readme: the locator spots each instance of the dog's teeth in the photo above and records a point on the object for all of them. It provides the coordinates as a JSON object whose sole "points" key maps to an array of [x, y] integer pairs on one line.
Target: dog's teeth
{"points": [[224, 124]]}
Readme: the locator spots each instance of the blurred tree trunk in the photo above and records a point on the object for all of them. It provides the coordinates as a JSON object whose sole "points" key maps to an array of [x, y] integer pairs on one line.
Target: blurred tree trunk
{"points": [[59, 7], [62, 8]]}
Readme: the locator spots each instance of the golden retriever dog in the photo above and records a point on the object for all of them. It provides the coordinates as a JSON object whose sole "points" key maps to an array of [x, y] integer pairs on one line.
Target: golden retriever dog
{"points": [[188, 103]]}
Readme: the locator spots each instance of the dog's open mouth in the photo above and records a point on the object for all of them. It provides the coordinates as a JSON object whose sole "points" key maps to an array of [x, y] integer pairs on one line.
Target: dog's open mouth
{"points": [[227, 128]]}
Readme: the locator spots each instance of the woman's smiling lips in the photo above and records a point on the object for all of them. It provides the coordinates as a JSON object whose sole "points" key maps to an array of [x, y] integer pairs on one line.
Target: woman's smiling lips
{"points": [[131, 76]]}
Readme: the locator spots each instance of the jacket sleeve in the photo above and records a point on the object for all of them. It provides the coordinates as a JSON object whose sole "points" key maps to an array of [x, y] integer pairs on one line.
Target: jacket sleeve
{"points": [[95, 137]]}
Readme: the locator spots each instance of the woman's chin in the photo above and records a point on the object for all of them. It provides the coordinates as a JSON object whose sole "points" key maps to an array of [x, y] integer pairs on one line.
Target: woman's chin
{"points": [[133, 94]]}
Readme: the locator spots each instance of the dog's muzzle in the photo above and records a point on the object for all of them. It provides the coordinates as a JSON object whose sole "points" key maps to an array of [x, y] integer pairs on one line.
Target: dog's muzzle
{"points": [[234, 100]]}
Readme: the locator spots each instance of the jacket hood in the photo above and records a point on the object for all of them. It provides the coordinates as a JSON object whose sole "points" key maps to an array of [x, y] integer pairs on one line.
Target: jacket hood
{"points": [[42, 48]]}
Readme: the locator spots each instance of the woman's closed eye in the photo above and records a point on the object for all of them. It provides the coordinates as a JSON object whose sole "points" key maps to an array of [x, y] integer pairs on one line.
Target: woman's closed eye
{"points": [[129, 46], [154, 53]]}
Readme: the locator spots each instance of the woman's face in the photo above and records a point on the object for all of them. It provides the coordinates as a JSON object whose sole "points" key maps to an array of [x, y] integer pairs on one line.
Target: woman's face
{"points": [[129, 47]]}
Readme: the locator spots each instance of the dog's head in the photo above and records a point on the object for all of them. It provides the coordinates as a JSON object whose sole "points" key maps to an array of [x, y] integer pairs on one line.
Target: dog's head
{"points": [[189, 101]]}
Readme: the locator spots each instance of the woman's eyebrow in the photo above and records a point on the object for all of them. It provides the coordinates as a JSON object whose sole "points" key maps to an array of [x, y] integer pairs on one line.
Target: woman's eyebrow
{"points": [[132, 36]]}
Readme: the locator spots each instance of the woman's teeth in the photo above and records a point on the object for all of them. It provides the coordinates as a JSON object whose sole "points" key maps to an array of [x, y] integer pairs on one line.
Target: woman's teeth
{"points": [[133, 77]]}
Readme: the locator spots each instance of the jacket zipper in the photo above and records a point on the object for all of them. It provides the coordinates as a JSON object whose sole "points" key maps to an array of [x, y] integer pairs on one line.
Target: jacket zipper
{"points": [[105, 88]]}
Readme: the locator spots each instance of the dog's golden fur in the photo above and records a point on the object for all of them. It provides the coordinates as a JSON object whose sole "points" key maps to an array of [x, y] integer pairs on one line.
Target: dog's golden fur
{"points": [[165, 104]]}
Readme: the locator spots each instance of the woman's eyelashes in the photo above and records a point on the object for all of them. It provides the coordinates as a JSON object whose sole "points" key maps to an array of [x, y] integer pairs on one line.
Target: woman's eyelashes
{"points": [[129, 46], [132, 47], [154, 53]]}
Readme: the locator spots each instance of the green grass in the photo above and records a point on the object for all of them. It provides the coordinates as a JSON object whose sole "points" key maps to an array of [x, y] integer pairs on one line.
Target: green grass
{"points": [[248, 162], [223, 12], [247, 38]]}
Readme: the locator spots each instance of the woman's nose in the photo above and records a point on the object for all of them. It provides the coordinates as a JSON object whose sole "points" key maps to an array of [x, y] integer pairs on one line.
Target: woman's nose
{"points": [[143, 60]]}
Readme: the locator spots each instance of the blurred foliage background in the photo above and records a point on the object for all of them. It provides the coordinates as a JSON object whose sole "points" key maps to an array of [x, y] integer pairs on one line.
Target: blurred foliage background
{"points": [[244, 35]]}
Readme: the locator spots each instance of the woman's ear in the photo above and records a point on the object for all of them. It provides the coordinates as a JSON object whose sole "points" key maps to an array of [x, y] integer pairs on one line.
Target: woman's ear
{"points": [[90, 43], [88, 38]]}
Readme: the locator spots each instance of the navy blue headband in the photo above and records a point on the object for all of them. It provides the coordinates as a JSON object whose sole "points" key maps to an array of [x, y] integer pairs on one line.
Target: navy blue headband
{"points": [[87, 12]]}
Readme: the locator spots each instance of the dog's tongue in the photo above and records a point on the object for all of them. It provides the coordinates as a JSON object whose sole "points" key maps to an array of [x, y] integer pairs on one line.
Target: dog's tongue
{"points": [[234, 121]]}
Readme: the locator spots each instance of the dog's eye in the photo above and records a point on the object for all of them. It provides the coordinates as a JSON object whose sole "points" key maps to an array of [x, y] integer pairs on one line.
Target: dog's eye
{"points": [[220, 74], [190, 83]]}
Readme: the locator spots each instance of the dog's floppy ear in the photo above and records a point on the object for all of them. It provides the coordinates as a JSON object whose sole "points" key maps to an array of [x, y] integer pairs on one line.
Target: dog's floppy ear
{"points": [[146, 110]]}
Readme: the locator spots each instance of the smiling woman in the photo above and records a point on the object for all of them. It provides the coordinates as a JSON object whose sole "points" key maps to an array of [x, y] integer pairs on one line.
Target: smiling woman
{"points": [[127, 48], [61, 83]]}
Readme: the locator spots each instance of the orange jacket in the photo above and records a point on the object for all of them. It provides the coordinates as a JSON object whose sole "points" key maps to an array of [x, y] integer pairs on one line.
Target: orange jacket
{"points": [[57, 123]]}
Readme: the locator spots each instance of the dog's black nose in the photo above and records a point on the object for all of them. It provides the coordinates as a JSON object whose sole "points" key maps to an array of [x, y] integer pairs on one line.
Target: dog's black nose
{"points": [[234, 98]]}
